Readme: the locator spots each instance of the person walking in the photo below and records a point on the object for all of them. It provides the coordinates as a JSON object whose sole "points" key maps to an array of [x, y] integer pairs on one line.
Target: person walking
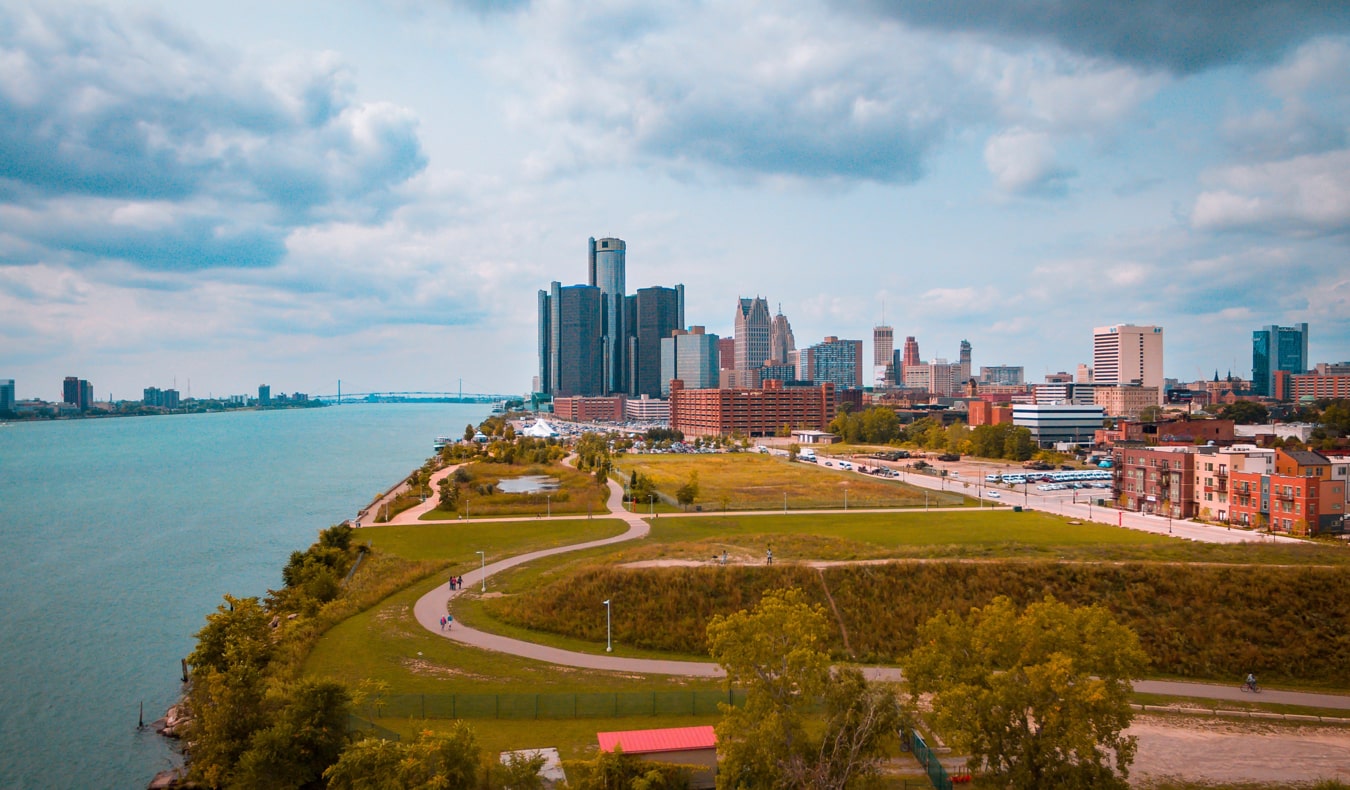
{"points": [[449, 621]]}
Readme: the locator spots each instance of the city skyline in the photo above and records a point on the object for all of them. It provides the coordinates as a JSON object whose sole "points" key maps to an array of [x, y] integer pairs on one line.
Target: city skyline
{"points": [[261, 194]]}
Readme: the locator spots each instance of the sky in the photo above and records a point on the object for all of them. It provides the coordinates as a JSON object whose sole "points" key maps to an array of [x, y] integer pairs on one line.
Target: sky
{"points": [[215, 196]]}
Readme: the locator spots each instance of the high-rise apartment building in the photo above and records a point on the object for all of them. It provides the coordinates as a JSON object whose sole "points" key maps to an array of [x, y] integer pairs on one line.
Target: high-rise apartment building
{"points": [[264, 395], [571, 341], [606, 270], [1128, 354], [726, 353], [77, 392], [7, 395], [691, 357], [781, 341], [1274, 349], [964, 362], [883, 348], [838, 362], [653, 314], [753, 328]]}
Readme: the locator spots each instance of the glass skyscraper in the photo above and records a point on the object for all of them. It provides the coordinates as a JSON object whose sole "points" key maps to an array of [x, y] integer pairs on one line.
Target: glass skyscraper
{"points": [[1276, 348]]}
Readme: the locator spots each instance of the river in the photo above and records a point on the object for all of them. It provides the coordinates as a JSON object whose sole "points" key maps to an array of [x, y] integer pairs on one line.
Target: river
{"points": [[120, 535]]}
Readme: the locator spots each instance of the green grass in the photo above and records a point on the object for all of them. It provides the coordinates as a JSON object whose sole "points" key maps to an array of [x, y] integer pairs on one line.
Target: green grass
{"points": [[1253, 704], [753, 481], [577, 493], [384, 643], [460, 543]]}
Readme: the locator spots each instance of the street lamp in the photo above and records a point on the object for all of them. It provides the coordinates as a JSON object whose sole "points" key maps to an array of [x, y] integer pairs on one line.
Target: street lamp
{"points": [[609, 631], [785, 503], [651, 504], [845, 497], [548, 504], [482, 569]]}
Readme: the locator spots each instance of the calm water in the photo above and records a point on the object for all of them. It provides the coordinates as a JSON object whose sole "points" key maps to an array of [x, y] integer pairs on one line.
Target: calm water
{"points": [[120, 535]]}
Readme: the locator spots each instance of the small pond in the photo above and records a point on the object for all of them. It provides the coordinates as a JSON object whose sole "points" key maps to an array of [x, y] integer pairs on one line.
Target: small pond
{"points": [[528, 484]]}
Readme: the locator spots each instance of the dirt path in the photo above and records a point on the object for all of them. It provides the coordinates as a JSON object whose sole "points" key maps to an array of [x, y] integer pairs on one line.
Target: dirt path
{"points": [[1212, 752]]}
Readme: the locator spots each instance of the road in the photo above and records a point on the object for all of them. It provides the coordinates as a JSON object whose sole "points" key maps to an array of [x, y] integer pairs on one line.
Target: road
{"points": [[431, 607]]}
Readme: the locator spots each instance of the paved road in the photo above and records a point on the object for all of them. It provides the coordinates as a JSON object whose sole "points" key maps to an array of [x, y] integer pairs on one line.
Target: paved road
{"points": [[431, 607]]}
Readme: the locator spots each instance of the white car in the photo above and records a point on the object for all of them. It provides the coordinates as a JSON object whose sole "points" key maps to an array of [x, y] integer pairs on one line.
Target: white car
{"points": [[992, 494]]}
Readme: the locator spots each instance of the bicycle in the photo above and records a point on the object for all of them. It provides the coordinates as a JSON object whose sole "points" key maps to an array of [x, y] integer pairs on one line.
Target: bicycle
{"points": [[1252, 687]]}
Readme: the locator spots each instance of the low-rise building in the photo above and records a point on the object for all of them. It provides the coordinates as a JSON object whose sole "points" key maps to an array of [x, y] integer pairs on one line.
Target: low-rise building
{"points": [[982, 412], [1301, 496], [761, 411], [1125, 400], [647, 409], [1052, 423], [589, 409], [1315, 385], [693, 746], [1159, 480], [1214, 467]]}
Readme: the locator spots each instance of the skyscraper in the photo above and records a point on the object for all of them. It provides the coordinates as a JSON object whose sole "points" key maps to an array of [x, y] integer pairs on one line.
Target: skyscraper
{"points": [[781, 341], [1125, 354], [690, 357], [77, 392], [1277, 348], [571, 344], [883, 347], [964, 362], [606, 268], [656, 313], [6, 395], [752, 333], [911, 356]]}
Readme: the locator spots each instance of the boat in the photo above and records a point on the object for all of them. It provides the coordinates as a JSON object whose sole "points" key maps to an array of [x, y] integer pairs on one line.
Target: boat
{"points": [[442, 441]]}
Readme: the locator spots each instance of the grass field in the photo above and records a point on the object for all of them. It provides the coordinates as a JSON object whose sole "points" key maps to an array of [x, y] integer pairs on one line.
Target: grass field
{"points": [[460, 543], [752, 481], [385, 644], [577, 493]]}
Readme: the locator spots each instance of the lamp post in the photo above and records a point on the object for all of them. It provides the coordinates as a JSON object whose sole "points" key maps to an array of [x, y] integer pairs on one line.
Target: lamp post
{"points": [[482, 569], [609, 631], [845, 497], [785, 503], [548, 504], [651, 504]]}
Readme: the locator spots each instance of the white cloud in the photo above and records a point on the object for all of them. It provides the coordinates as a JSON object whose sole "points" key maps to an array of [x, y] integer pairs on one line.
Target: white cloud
{"points": [[1304, 195], [1024, 163]]}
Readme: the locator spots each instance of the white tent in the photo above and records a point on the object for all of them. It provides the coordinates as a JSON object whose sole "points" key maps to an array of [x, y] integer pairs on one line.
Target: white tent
{"points": [[540, 430]]}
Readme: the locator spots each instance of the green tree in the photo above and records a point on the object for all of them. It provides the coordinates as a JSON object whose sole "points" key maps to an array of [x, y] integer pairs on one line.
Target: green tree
{"points": [[1245, 412], [687, 493], [305, 737], [612, 770], [1040, 697], [432, 761], [449, 495], [778, 654], [794, 450], [468, 433]]}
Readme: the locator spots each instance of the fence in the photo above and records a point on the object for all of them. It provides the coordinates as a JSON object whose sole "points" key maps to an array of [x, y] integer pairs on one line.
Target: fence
{"points": [[930, 762], [358, 724], [551, 706]]}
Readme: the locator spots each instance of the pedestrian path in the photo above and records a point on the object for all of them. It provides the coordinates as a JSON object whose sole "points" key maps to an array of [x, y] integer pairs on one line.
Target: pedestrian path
{"points": [[431, 607]]}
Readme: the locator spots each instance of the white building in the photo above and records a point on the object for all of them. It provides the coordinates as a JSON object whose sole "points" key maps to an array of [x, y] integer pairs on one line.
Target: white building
{"points": [[1128, 354], [1052, 423], [647, 409]]}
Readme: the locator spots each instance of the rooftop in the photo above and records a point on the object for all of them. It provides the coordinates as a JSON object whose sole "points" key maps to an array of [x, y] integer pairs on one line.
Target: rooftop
{"points": [[674, 739]]}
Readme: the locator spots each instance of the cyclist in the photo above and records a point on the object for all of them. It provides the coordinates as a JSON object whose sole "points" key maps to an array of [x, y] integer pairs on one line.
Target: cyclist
{"points": [[1250, 684]]}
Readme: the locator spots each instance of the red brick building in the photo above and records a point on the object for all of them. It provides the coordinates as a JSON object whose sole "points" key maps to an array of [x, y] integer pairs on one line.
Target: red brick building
{"points": [[750, 412], [1300, 498], [981, 412], [592, 409], [1313, 385], [1157, 480]]}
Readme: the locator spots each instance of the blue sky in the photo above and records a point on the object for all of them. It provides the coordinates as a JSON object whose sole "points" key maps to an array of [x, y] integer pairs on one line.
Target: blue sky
{"points": [[293, 193]]}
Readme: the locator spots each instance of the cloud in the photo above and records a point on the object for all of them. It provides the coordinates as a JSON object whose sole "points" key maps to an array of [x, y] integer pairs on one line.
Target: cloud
{"points": [[1182, 38], [135, 140], [1023, 163], [1305, 195]]}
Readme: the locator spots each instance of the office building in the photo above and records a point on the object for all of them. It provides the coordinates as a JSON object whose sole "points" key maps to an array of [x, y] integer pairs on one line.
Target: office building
{"points": [[692, 357], [1128, 354], [1007, 375], [911, 353], [964, 362], [598, 408], [1318, 386], [654, 313], [264, 395], [753, 330], [645, 409], [750, 411], [1274, 349], [606, 269], [837, 361], [726, 353], [571, 343], [1124, 400], [1058, 422], [7, 398], [781, 341], [883, 352]]}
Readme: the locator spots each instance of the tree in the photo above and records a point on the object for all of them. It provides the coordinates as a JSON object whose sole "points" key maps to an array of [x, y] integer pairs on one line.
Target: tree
{"points": [[1245, 412], [687, 493], [794, 450], [468, 433], [306, 735], [431, 761], [779, 655], [1150, 413], [449, 495], [1039, 698]]}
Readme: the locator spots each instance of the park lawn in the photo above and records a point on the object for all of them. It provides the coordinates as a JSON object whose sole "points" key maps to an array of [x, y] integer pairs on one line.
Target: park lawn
{"points": [[1251, 704], [755, 481], [577, 493], [384, 643], [461, 542]]}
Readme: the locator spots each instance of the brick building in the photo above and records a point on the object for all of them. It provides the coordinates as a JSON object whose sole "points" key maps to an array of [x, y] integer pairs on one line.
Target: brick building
{"points": [[1301, 497], [593, 409], [750, 412], [1313, 385], [982, 412], [1158, 480]]}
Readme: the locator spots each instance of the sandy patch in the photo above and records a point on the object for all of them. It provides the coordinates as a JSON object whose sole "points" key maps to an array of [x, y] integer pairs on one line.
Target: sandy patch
{"points": [[424, 668], [1206, 750]]}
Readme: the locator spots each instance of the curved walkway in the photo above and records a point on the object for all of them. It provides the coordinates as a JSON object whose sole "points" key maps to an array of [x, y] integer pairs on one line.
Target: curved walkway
{"points": [[431, 607]]}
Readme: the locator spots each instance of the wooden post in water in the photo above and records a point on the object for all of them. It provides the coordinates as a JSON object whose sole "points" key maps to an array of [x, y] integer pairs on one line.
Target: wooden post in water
{"points": [[140, 722], [183, 661]]}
